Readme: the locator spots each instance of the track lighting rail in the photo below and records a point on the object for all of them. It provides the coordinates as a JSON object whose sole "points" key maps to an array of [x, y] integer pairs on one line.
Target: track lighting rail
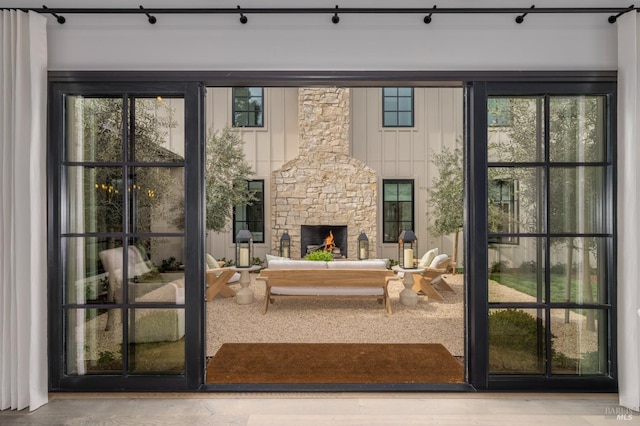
{"points": [[521, 12]]}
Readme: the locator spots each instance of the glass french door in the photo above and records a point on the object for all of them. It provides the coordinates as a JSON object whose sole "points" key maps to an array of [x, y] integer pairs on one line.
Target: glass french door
{"points": [[545, 208], [125, 235]]}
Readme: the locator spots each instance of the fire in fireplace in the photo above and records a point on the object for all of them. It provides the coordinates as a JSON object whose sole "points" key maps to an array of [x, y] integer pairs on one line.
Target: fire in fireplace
{"points": [[324, 237]]}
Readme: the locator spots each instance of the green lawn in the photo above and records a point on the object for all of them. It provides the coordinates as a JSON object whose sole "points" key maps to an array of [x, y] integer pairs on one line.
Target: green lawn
{"points": [[526, 283]]}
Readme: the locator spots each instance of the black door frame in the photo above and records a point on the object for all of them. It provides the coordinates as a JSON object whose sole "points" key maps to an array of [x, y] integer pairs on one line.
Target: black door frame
{"points": [[193, 95], [476, 297]]}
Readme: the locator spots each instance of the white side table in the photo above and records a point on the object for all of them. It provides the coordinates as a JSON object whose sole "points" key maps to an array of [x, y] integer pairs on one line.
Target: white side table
{"points": [[244, 296], [408, 297]]}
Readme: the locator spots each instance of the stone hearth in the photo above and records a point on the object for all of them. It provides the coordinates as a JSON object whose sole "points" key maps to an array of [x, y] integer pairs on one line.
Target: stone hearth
{"points": [[324, 185]]}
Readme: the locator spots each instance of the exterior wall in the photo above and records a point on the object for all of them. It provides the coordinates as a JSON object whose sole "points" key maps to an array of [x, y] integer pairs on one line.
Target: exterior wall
{"points": [[266, 149], [407, 152], [324, 185]]}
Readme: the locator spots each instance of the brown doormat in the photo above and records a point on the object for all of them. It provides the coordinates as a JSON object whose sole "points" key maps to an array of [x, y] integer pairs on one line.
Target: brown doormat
{"points": [[333, 363]]}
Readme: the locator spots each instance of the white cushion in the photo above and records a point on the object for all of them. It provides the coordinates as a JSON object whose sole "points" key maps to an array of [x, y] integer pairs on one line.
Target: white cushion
{"points": [[357, 264], [270, 257], [212, 263], [436, 260], [428, 258], [327, 291], [297, 264]]}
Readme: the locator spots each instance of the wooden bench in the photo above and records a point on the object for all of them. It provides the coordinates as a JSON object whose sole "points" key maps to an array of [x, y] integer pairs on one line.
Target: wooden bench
{"points": [[327, 283]]}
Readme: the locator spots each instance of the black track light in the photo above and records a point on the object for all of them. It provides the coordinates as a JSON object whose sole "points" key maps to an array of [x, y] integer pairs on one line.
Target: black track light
{"points": [[613, 18], [427, 19], [335, 19], [243, 19], [60, 19], [520, 18], [152, 19]]}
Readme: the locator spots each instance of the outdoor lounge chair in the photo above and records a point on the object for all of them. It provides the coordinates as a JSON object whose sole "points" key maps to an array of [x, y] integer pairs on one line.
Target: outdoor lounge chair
{"points": [[430, 281], [219, 278]]}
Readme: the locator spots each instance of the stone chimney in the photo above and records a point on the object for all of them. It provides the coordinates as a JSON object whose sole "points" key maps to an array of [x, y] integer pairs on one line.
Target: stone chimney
{"points": [[324, 185]]}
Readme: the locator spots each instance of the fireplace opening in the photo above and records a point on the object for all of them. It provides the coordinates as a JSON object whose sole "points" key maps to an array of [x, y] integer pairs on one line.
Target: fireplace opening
{"points": [[313, 237]]}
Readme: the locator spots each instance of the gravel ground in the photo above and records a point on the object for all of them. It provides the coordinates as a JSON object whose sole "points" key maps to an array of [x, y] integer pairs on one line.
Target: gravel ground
{"points": [[338, 321], [365, 321]]}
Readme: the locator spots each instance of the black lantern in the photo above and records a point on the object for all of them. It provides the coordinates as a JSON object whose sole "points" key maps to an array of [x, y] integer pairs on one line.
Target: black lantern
{"points": [[244, 248], [285, 244], [363, 246], [407, 249]]}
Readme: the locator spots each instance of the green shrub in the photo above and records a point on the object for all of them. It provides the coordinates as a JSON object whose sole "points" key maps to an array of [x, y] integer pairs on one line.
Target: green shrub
{"points": [[499, 266], [169, 265], [319, 255], [514, 329]]}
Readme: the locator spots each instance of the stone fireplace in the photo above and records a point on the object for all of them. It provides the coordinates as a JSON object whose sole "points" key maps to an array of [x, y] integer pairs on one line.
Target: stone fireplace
{"points": [[312, 238], [324, 185]]}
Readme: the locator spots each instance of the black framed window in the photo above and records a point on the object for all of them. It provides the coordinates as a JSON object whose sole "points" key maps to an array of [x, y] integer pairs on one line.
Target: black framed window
{"points": [[251, 216], [398, 208], [121, 198], [550, 316], [248, 107], [397, 107]]}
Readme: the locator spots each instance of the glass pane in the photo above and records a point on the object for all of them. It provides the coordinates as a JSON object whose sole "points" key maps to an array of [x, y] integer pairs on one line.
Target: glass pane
{"points": [[241, 119], [255, 91], [390, 104], [156, 341], [390, 91], [159, 130], [85, 277], [390, 192], [157, 199], [93, 129], [94, 199], [522, 138], [405, 192], [577, 129], [405, 91], [391, 231], [91, 346], [157, 270], [516, 272], [405, 119], [585, 280], [516, 341], [406, 212], [241, 91], [514, 203], [580, 342], [391, 211], [405, 104], [390, 119], [576, 201]]}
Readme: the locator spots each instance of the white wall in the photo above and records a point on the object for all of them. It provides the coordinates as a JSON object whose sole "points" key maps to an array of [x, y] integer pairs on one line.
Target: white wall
{"points": [[311, 42]]}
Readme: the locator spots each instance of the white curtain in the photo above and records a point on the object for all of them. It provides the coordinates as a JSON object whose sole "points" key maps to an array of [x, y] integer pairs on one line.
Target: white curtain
{"points": [[23, 213], [628, 210]]}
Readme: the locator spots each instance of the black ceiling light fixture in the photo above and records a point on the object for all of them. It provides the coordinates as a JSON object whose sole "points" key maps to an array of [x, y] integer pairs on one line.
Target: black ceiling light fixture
{"points": [[613, 12], [520, 18], [427, 19], [152, 19], [60, 19], [613, 18], [243, 19]]}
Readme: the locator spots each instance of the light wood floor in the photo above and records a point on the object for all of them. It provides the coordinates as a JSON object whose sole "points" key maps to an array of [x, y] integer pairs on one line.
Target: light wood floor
{"points": [[333, 409]]}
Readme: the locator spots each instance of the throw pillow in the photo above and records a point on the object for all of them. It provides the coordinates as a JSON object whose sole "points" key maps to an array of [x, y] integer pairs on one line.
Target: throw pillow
{"points": [[428, 258], [436, 260], [212, 263], [270, 257]]}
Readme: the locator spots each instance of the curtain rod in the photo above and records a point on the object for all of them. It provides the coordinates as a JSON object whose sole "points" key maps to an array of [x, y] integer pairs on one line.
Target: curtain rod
{"points": [[243, 12]]}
